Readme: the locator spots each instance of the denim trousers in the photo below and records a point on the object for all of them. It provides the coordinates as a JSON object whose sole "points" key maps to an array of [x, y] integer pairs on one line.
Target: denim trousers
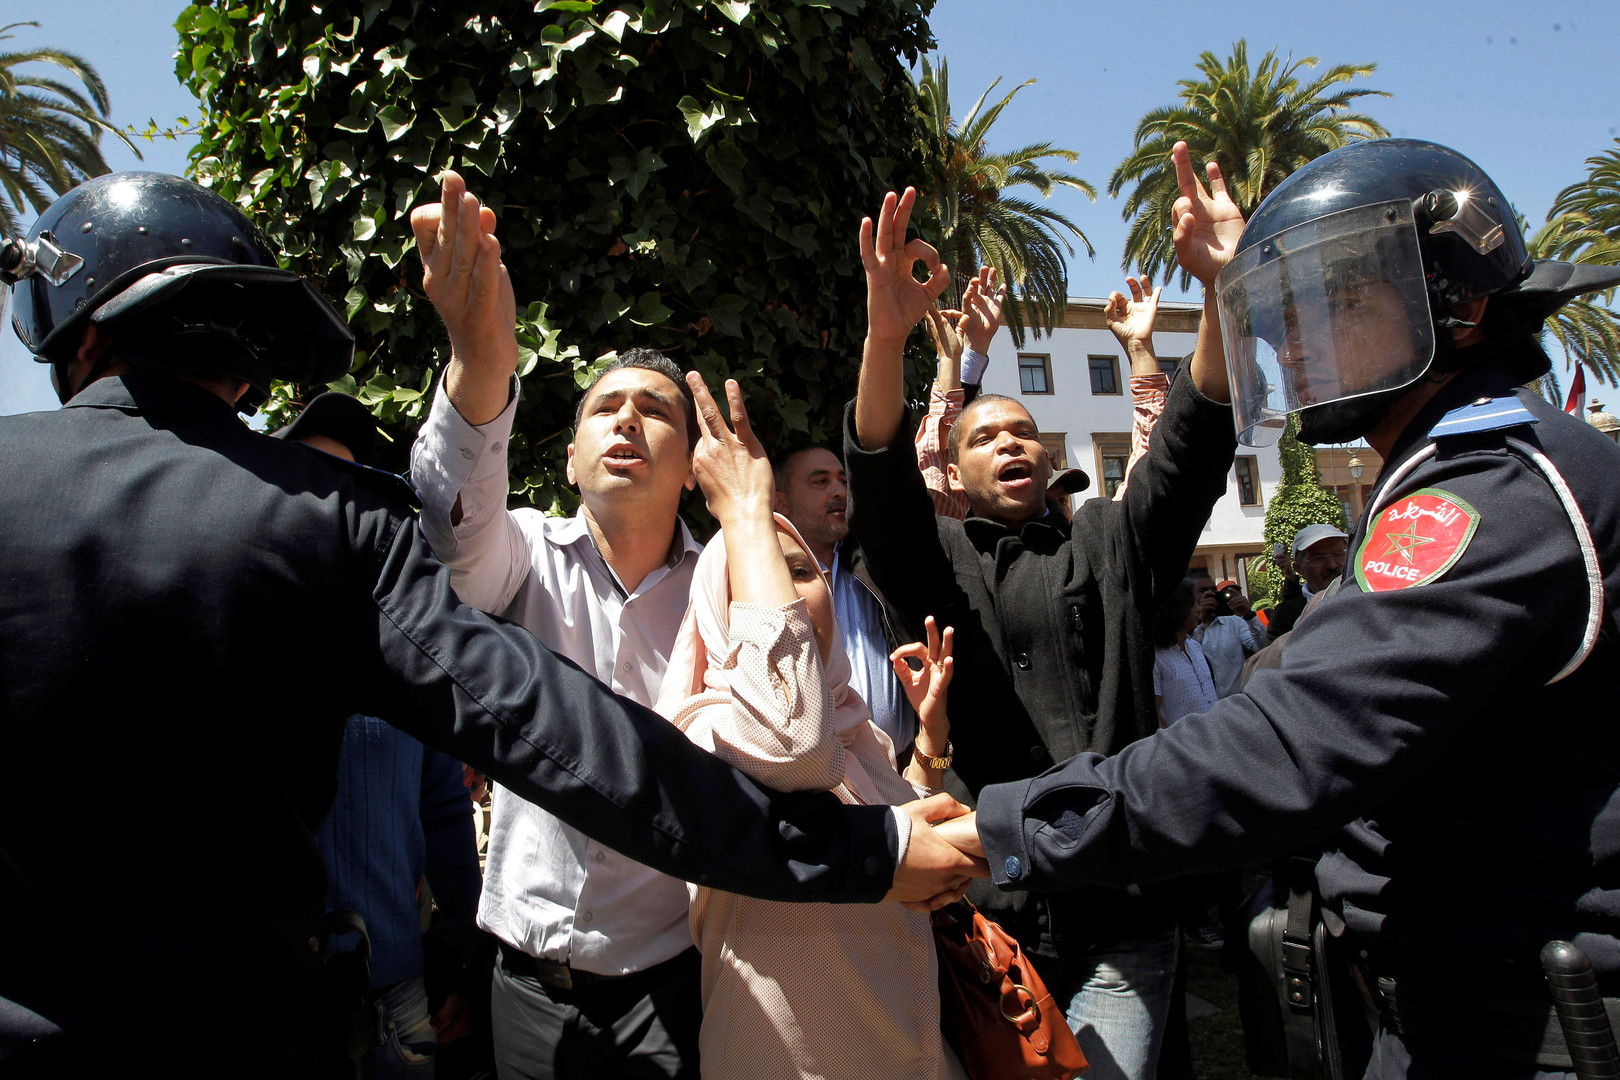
{"points": [[1117, 1000], [406, 1043]]}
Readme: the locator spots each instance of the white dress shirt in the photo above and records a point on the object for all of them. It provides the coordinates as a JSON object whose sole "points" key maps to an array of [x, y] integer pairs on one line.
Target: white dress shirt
{"points": [[549, 889]]}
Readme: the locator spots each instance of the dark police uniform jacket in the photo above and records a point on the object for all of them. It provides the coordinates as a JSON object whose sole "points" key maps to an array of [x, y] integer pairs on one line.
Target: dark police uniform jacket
{"points": [[188, 612], [1481, 786], [1054, 650]]}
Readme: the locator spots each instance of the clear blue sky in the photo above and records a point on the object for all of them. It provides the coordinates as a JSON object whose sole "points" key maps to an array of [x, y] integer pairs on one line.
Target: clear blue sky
{"points": [[1528, 91]]}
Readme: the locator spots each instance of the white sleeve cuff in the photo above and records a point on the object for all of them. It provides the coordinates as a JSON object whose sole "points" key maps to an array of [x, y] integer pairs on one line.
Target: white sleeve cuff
{"points": [[902, 824], [973, 366], [451, 458]]}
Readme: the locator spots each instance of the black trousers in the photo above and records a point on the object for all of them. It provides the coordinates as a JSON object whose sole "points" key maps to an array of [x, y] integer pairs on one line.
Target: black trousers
{"points": [[635, 1027]]}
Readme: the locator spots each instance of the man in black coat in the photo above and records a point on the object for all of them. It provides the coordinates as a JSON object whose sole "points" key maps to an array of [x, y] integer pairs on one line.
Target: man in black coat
{"points": [[1053, 648], [1442, 723], [160, 893]]}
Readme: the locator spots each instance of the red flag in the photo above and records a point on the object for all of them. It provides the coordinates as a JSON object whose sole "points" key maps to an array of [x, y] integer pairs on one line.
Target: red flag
{"points": [[1576, 403]]}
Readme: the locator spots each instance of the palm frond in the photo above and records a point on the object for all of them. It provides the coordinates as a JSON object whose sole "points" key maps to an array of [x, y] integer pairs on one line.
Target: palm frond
{"points": [[976, 221], [1261, 121]]}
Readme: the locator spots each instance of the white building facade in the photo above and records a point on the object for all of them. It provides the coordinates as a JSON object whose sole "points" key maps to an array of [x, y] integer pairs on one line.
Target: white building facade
{"points": [[1076, 384]]}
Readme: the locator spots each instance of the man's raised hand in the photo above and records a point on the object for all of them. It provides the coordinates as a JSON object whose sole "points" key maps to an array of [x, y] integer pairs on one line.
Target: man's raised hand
{"points": [[981, 307], [1208, 223], [464, 277], [730, 465], [895, 300], [1132, 320]]}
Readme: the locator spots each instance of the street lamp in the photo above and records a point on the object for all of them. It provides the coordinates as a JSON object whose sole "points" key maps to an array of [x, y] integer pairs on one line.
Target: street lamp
{"points": [[1604, 422], [1356, 465]]}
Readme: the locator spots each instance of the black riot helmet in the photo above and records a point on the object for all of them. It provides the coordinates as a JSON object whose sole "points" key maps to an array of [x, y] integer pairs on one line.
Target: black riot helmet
{"points": [[180, 279], [1340, 296]]}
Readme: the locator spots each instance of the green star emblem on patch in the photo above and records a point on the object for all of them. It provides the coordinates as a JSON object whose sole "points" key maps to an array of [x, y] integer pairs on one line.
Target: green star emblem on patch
{"points": [[1405, 543], [1414, 540]]}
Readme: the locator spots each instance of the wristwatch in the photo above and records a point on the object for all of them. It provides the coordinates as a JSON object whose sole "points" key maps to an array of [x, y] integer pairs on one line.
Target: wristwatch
{"points": [[935, 762]]}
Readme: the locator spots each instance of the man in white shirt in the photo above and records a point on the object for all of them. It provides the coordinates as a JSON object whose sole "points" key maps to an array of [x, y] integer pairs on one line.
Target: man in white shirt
{"points": [[1227, 640], [597, 974]]}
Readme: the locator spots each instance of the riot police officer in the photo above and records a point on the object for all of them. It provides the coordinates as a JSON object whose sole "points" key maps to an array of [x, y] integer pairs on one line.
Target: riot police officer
{"points": [[1444, 721], [166, 573]]}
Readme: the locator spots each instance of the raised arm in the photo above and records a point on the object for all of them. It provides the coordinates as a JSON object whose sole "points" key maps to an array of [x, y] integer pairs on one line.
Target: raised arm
{"points": [[463, 275], [1208, 227], [1178, 481], [895, 302], [458, 461], [961, 340], [1132, 322]]}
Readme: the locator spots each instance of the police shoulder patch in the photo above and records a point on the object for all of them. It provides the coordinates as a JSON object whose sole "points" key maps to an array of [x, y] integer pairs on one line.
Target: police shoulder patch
{"points": [[1414, 540]]}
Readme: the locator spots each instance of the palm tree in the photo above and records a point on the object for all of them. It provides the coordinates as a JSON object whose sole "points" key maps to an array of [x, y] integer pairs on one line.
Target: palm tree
{"points": [[977, 223], [50, 132], [1586, 328], [1260, 126]]}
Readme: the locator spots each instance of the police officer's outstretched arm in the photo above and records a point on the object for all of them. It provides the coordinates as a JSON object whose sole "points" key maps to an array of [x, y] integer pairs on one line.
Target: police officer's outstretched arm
{"points": [[1372, 693], [488, 693]]}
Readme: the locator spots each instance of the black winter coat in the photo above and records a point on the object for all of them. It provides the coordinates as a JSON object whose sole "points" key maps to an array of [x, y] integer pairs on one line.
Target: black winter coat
{"points": [[1054, 651]]}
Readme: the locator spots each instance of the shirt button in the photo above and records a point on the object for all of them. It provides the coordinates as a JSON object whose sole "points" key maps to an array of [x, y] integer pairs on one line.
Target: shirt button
{"points": [[1037, 753], [1013, 867], [626, 667], [586, 917], [601, 856], [468, 454], [1022, 660], [873, 865], [495, 447]]}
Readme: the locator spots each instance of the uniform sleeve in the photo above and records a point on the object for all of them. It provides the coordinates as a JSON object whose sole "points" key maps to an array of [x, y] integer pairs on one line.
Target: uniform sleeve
{"points": [[486, 692], [1371, 691], [932, 446], [1147, 405], [1174, 488], [779, 726], [892, 517], [451, 459]]}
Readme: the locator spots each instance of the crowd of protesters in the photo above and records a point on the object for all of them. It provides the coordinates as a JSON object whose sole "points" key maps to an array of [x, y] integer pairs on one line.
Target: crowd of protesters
{"points": [[772, 647]]}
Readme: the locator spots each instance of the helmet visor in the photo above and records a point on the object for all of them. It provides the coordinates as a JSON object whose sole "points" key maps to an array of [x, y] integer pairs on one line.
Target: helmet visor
{"points": [[1330, 309]]}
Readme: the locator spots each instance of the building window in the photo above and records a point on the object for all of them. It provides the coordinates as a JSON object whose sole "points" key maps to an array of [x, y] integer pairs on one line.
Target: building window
{"points": [[1034, 373], [1169, 367], [1056, 444], [1248, 480], [1104, 374], [1113, 451]]}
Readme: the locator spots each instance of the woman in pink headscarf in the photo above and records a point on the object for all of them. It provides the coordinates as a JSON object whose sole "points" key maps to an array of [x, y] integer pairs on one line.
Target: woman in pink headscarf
{"points": [[759, 678]]}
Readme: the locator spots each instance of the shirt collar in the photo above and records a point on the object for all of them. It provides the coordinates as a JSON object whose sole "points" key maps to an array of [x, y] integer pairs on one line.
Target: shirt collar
{"points": [[1050, 527], [575, 528]]}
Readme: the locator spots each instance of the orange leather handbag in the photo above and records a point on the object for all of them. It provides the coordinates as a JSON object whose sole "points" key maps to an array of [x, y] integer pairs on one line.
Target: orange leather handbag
{"points": [[996, 1011]]}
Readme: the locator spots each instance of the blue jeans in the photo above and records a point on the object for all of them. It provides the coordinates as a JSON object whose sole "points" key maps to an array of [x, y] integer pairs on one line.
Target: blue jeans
{"points": [[406, 1043], [1117, 1000]]}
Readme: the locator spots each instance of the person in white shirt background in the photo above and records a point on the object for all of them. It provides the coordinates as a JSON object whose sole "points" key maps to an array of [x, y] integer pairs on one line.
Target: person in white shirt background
{"points": [[1228, 630]]}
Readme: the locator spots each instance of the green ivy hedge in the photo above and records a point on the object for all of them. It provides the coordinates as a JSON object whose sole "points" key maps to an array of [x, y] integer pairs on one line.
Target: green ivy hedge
{"points": [[686, 175]]}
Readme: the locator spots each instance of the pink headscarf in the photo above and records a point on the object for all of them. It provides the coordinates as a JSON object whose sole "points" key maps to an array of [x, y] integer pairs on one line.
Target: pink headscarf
{"points": [[696, 670]]}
